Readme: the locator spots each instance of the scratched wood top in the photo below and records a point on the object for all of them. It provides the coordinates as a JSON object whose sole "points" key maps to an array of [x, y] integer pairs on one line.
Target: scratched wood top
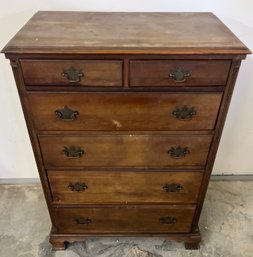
{"points": [[114, 33]]}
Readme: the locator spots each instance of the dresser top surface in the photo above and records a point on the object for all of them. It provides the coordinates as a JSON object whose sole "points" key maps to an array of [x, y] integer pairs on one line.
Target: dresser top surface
{"points": [[130, 33]]}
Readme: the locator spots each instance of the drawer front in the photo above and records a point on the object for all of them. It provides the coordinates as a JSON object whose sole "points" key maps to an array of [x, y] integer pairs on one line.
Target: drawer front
{"points": [[110, 187], [70, 73], [125, 150], [124, 111], [179, 73], [123, 219]]}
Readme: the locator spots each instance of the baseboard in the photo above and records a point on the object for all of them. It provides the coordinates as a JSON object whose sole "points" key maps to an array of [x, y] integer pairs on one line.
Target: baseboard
{"points": [[14, 181], [232, 177], [10, 181]]}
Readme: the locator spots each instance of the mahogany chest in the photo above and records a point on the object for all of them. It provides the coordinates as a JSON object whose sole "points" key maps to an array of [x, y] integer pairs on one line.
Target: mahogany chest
{"points": [[125, 112]]}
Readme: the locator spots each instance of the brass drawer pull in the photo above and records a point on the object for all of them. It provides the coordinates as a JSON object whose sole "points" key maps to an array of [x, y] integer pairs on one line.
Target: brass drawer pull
{"points": [[73, 152], [179, 75], [66, 114], [83, 220], [78, 187], [178, 151], [172, 187], [72, 75], [168, 220], [184, 112]]}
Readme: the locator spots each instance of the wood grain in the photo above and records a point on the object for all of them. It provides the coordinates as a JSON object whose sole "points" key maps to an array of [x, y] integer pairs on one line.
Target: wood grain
{"points": [[103, 33], [125, 150], [140, 111], [123, 219], [157, 73], [113, 187], [49, 72]]}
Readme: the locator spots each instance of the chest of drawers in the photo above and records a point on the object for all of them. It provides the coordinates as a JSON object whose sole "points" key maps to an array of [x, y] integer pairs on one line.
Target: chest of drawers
{"points": [[125, 112]]}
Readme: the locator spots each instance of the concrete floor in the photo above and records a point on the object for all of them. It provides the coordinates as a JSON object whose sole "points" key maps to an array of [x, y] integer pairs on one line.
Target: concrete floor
{"points": [[226, 226]]}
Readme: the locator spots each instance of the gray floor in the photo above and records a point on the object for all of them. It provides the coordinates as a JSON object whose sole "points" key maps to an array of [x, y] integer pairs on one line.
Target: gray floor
{"points": [[226, 226]]}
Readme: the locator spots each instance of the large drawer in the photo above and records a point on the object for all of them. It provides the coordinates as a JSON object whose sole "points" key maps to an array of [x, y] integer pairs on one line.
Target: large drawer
{"points": [[124, 111], [72, 72], [119, 187], [124, 219], [125, 150], [179, 72]]}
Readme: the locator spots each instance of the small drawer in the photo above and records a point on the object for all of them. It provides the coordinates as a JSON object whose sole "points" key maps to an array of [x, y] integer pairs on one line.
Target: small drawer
{"points": [[72, 72], [125, 150], [179, 73], [119, 187], [124, 111], [124, 219]]}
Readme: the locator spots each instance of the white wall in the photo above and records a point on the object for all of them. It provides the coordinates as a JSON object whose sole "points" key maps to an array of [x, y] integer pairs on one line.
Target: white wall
{"points": [[235, 152]]}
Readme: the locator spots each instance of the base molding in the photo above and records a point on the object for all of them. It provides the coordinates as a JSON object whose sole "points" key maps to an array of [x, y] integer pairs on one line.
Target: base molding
{"points": [[231, 178], [60, 242], [20, 181]]}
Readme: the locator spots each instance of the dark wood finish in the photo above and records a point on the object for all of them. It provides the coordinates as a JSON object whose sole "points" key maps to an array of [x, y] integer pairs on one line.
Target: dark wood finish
{"points": [[192, 245], [57, 244], [125, 150], [124, 187], [124, 134], [123, 219], [50, 72], [157, 73], [70, 238], [135, 111], [122, 33]]}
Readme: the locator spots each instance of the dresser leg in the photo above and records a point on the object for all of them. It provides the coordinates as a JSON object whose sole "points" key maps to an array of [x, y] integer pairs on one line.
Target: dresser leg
{"points": [[57, 244], [191, 245]]}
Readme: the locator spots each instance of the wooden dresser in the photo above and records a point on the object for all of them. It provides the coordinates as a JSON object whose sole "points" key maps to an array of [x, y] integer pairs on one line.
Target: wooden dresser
{"points": [[125, 112]]}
